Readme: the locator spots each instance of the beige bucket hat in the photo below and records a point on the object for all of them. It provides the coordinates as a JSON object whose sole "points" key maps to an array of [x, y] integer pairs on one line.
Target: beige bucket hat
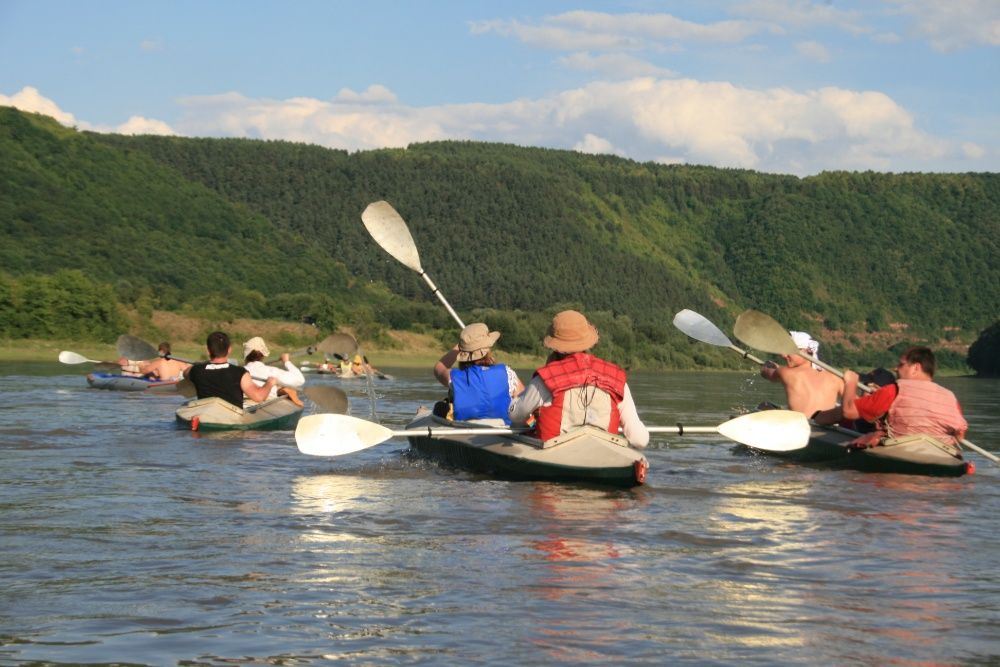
{"points": [[570, 332], [475, 342], [256, 343]]}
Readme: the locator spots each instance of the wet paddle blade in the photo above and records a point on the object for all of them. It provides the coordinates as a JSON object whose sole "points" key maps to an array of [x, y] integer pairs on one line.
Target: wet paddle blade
{"points": [[761, 332], [389, 230], [328, 399], [131, 347], [336, 435], [186, 388], [67, 357], [769, 430], [340, 345], [700, 328]]}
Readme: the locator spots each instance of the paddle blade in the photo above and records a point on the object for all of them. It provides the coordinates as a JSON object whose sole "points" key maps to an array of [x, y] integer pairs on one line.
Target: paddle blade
{"points": [[389, 230], [700, 328], [769, 430], [336, 435], [68, 357], [186, 388], [328, 399], [340, 345], [761, 332], [131, 347]]}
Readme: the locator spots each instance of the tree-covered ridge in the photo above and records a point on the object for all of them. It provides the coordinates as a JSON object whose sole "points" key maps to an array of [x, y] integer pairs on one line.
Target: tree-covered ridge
{"points": [[266, 228]]}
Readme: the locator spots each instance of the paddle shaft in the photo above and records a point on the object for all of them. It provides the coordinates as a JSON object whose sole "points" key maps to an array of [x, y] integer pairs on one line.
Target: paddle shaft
{"points": [[437, 293]]}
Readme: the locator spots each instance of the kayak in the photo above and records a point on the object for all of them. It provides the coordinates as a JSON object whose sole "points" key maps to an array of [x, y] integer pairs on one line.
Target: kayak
{"points": [[116, 382], [829, 445], [585, 454], [216, 414]]}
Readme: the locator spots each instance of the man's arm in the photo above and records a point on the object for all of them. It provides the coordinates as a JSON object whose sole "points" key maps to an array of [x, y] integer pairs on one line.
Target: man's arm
{"points": [[257, 394]]}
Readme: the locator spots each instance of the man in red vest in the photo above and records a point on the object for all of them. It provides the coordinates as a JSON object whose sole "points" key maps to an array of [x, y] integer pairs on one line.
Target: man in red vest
{"points": [[575, 388], [912, 405]]}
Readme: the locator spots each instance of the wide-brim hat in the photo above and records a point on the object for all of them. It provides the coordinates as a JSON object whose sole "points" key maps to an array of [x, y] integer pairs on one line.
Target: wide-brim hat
{"points": [[570, 332], [255, 344], [476, 341]]}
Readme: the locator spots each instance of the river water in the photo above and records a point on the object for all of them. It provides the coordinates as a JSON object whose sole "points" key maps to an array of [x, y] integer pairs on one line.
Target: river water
{"points": [[127, 539]]}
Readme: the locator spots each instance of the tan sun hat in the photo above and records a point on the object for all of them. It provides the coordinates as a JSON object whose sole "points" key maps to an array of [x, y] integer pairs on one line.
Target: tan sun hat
{"points": [[570, 332], [475, 342], [255, 344]]}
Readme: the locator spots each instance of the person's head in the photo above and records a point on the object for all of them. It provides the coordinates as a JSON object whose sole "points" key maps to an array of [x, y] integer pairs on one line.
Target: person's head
{"points": [[570, 332], [878, 377], [164, 349], [357, 360], [255, 349], [218, 345], [916, 361], [475, 345], [805, 342]]}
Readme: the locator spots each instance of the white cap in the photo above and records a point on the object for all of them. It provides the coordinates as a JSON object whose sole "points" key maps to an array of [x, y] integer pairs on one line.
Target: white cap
{"points": [[804, 341]]}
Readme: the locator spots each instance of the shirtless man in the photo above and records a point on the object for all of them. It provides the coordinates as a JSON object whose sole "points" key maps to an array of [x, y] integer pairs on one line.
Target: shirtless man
{"points": [[807, 389], [162, 368]]}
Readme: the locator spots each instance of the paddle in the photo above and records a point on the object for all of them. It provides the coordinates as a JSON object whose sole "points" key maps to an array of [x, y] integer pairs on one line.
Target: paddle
{"points": [[67, 357], [340, 345], [760, 331], [335, 435], [700, 328], [131, 347], [389, 230]]}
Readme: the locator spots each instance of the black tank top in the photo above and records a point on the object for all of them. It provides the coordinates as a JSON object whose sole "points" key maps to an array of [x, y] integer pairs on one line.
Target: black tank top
{"points": [[223, 381]]}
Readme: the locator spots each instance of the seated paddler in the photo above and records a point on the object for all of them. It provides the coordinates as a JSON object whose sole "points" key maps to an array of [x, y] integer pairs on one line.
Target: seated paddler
{"points": [[480, 388], [575, 388], [289, 377], [219, 378]]}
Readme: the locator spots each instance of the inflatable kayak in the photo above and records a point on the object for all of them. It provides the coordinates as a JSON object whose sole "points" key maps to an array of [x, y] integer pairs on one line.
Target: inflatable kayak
{"points": [[216, 414], [117, 382]]}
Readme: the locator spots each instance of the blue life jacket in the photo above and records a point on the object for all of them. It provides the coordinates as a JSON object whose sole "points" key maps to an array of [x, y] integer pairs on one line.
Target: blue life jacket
{"points": [[480, 392]]}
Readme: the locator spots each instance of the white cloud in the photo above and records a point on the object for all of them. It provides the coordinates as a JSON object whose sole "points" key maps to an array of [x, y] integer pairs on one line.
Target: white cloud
{"points": [[956, 24], [615, 65], [374, 94], [595, 145], [813, 51], [599, 31], [803, 14], [29, 99], [140, 125], [151, 45]]}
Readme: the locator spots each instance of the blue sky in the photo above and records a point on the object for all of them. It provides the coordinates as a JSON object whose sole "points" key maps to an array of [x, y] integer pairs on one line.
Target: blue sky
{"points": [[782, 86]]}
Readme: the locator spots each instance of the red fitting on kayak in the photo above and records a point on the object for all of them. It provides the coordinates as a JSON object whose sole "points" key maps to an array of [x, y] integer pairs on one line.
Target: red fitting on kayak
{"points": [[640, 467], [195, 423], [970, 467]]}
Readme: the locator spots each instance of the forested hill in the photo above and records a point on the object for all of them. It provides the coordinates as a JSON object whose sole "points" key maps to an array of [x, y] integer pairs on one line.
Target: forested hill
{"points": [[505, 227]]}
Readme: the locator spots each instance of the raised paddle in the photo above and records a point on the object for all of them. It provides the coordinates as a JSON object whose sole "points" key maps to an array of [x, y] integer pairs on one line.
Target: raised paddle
{"points": [[336, 435], [700, 328], [131, 347], [761, 331], [67, 357], [340, 345], [389, 230]]}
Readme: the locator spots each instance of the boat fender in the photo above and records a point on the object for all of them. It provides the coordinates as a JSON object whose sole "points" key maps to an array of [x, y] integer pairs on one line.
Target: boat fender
{"points": [[640, 467], [195, 423], [970, 468]]}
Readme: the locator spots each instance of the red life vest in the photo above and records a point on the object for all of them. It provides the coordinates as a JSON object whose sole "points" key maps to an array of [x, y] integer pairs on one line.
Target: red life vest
{"points": [[585, 390], [928, 408]]}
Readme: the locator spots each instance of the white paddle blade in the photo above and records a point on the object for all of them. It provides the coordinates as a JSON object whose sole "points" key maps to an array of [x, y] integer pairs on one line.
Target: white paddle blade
{"points": [[336, 435], [769, 430], [700, 328], [389, 230], [67, 357]]}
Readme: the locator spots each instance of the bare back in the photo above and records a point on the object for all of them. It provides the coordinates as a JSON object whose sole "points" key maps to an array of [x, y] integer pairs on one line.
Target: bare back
{"points": [[808, 389]]}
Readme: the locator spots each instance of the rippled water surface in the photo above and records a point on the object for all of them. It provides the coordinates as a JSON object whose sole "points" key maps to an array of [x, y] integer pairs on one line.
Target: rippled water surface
{"points": [[127, 539]]}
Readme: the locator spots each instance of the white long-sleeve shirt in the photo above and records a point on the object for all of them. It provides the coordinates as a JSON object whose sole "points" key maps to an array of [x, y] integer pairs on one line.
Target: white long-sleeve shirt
{"points": [[536, 394], [290, 376]]}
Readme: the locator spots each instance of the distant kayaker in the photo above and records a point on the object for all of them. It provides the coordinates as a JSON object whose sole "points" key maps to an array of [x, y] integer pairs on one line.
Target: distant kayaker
{"points": [[163, 368], [807, 387], [480, 388], [575, 388], [914, 405], [289, 377], [217, 377]]}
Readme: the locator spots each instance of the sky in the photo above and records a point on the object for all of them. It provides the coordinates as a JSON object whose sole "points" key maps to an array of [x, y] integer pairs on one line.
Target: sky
{"points": [[780, 86]]}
